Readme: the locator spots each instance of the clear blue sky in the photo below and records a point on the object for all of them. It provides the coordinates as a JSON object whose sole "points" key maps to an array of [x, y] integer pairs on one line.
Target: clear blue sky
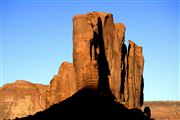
{"points": [[36, 37]]}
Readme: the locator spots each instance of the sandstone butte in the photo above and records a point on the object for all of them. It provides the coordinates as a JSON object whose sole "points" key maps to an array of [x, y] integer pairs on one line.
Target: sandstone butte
{"points": [[101, 62]]}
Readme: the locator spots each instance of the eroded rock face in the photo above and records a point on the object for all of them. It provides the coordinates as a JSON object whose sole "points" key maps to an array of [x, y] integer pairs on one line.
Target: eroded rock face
{"points": [[62, 85], [116, 79], [102, 61], [93, 35], [22, 98], [54, 95], [135, 77]]}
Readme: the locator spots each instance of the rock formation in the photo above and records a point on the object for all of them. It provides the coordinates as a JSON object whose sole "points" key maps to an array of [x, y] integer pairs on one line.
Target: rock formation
{"points": [[135, 78], [101, 62], [22, 98], [118, 69], [101, 59], [62, 85]]}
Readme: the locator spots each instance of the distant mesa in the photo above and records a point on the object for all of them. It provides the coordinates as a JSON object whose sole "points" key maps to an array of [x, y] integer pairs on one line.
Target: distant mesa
{"points": [[103, 70], [22, 98]]}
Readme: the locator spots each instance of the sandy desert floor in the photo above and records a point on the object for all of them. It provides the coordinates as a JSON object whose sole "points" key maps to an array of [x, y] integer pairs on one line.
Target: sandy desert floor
{"points": [[164, 110]]}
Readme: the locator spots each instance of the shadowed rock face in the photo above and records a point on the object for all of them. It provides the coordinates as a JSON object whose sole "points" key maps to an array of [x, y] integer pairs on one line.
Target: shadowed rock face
{"points": [[22, 98]]}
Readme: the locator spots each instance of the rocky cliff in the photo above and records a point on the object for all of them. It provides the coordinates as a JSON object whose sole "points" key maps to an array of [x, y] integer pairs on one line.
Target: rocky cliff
{"points": [[101, 62]]}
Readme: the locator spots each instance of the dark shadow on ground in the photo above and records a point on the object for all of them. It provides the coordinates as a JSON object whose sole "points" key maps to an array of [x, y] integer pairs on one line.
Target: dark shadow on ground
{"points": [[88, 104]]}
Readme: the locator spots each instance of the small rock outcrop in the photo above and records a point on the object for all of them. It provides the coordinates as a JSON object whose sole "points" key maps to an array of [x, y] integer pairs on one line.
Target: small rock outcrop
{"points": [[22, 98]]}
